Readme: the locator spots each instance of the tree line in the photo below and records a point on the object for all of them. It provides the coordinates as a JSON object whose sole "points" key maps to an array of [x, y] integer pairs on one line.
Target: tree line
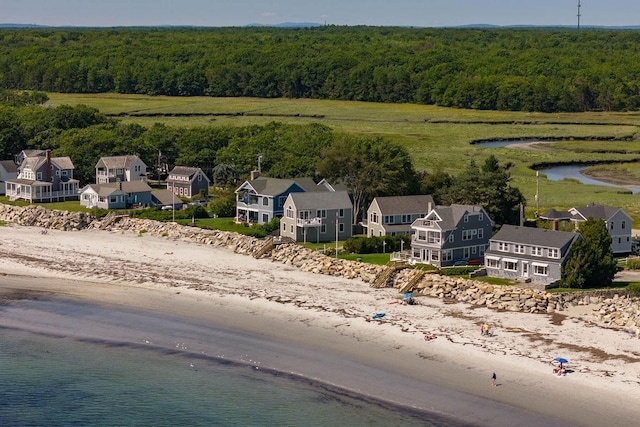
{"points": [[367, 166], [541, 69]]}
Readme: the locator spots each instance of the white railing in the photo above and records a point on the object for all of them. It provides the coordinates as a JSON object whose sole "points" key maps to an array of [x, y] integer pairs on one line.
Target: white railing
{"points": [[310, 222]]}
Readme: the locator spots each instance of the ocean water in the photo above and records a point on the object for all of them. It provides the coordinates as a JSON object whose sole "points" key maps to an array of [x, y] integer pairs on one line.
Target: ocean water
{"points": [[69, 379]]}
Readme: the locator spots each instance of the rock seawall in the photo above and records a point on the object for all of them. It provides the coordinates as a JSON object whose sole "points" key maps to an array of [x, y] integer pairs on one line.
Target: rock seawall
{"points": [[610, 308]]}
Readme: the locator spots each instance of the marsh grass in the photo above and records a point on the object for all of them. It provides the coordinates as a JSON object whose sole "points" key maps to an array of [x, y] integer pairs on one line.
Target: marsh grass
{"points": [[437, 138]]}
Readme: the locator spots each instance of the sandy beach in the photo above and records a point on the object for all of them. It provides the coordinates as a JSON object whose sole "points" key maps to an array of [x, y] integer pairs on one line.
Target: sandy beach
{"points": [[329, 320]]}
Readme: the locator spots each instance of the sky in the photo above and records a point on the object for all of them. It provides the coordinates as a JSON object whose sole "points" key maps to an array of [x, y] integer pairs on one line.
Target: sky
{"points": [[223, 13]]}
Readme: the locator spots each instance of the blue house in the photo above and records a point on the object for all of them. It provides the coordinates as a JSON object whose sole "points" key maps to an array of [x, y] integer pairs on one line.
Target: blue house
{"points": [[261, 199]]}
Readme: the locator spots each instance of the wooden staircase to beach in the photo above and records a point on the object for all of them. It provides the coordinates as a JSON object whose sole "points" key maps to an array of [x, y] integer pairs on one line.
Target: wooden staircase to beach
{"points": [[383, 277], [416, 276], [266, 247]]}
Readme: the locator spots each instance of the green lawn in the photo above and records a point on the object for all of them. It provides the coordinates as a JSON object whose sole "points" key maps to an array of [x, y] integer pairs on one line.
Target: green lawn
{"points": [[436, 137]]}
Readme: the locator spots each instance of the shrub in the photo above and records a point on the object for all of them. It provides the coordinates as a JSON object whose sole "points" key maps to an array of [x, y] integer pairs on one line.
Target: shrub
{"points": [[635, 289], [633, 264]]}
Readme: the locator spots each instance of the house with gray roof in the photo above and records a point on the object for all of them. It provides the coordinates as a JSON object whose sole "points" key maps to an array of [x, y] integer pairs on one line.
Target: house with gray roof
{"points": [[261, 199], [42, 178], [451, 235], [528, 254], [8, 170], [317, 216], [389, 216], [116, 195], [120, 168], [188, 181], [619, 224]]}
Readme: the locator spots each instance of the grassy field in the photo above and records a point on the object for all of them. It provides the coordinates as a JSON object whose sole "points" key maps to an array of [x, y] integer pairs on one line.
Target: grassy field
{"points": [[436, 137]]}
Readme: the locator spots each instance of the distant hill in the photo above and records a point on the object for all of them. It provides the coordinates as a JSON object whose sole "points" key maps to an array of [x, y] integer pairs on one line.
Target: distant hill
{"points": [[289, 25]]}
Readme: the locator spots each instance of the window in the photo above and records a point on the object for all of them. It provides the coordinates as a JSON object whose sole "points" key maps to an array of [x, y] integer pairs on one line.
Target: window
{"points": [[493, 263], [519, 249], [451, 238], [540, 270], [623, 224], [435, 256], [481, 250], [466, 218], [465, 252], [536, 251], [416, 253], [64, 173], [474, 249], [612, 225], [447, 255], [323, 229], [374, 217], [290, 213], [510, 265], [467, 234], [341, 227], [265, 218], [281, 201], [292, 229], [389, 219], [406, 219], [284, 227], [113, 199], [340, 213], [57, 172], [321, 213], [554, 253], [480, 216], [422, 235], [503, 247], [480, 233], [199, 177], [39, 176], [265, 201]]}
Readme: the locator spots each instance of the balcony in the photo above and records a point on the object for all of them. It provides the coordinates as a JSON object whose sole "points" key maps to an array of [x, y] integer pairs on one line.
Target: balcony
{"points": [[309, 222]]}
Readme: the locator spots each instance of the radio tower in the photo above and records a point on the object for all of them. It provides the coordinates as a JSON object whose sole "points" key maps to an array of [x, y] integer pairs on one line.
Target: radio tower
{"points": [[579, 14]]}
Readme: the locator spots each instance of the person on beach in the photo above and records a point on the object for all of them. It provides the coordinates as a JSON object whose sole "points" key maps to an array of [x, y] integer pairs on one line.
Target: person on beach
{"points": [[493, 379], [482, 329]]}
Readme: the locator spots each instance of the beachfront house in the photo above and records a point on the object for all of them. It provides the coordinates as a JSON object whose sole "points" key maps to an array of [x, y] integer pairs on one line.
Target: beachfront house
{"points": [[390, 216], [261, 199], [120, 169], [451, 235], [116, 195], [188, 182], [617, 221], [8, 170], [42, 178], [528, 254], [317, 216]]}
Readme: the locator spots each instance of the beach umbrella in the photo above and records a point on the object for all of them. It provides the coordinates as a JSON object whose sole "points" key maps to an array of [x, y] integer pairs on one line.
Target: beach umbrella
{"points": [[560, 360]]}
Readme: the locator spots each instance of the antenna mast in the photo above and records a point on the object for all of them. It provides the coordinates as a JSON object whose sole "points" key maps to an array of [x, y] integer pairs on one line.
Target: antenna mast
{"points": [[579, 6]]}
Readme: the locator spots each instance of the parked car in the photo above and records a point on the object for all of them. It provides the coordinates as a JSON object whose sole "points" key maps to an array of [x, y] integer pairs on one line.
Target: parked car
{"points": [[167, 208], [199, 202]]}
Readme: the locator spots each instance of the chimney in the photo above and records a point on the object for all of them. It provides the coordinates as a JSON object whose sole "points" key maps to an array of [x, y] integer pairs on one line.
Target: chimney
{"points": [[119, 185], [47, 165], [254, 174], [554, 225]]}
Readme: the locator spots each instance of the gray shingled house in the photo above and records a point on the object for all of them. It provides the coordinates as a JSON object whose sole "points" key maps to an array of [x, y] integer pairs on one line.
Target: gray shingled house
{"points": [[389, 216], [188, 181], [528, 254], [451, 235], [317, 216], [120, 169]]}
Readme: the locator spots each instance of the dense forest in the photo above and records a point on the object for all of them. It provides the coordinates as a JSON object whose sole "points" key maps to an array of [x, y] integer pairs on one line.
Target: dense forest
{"points": [[538, 69]]}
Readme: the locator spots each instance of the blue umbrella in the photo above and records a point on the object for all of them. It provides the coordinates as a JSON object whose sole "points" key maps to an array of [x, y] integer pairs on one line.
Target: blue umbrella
{"points": [[408, 295], [560, 360]]}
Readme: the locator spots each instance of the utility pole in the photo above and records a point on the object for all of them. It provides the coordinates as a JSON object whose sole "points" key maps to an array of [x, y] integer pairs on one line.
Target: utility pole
{"points": [[579, 6], [537, 193]]}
